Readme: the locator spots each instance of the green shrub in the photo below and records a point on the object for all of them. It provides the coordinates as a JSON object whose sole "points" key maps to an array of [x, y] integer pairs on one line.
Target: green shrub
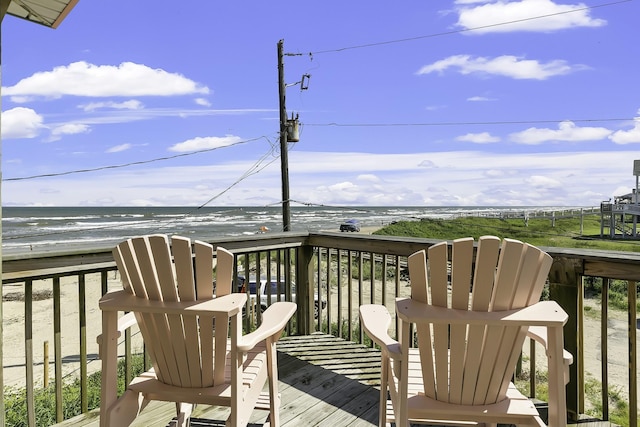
{"points": [[45, 399]]}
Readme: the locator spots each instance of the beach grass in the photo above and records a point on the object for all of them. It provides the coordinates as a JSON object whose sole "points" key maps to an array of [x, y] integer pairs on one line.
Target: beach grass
{"points": [[563, 232]]}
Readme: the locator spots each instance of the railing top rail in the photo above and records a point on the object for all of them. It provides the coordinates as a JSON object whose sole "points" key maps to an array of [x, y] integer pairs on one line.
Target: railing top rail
{"points": [[613, 264], [47, 273]]}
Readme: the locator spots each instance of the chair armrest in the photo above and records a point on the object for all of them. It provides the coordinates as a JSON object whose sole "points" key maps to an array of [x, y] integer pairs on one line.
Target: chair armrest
{"points": [[127, 321], [124, 323], [539, 334], [543, 313], [274, 319], [375, 322], [124, 301]]}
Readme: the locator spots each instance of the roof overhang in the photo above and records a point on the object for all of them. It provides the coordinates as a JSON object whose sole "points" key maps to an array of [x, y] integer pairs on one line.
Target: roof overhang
{"points": [[49, 13]]}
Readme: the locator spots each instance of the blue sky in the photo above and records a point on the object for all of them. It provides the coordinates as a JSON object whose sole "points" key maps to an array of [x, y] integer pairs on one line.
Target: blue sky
{"points": [[421, 103]]}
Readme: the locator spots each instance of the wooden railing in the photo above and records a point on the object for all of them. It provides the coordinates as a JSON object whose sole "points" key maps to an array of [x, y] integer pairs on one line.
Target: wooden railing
{"points": [[328, 274]]}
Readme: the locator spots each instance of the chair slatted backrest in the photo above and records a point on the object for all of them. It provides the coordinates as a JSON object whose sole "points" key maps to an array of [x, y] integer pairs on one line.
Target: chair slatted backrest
{"points": [[184, 350], [473, 363]]}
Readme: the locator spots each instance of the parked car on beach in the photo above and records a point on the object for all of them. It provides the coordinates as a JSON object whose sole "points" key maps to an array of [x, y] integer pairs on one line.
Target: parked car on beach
{"points": [[350, 225]]}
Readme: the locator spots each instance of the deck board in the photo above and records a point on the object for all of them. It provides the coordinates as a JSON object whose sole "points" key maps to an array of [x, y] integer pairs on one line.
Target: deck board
{"points": [[324, 381]]}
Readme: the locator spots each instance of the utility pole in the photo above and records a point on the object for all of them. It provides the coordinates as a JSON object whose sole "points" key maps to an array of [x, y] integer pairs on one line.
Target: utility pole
{"points": [[284, 155]]}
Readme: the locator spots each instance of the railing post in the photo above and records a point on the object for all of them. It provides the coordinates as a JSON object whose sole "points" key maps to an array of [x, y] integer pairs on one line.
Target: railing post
{"points": [[82, 311], [564, 281], [57, 347], [632, 294], [304, 289]]}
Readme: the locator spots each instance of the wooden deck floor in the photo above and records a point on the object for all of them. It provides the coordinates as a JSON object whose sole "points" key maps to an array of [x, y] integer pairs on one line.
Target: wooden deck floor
{"points": [[324, 381]]}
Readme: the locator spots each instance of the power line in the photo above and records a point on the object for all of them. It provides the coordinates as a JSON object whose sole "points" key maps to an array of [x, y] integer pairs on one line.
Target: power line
{"points": [[254, 169], [124, 165], [464, 30], [499, 122]]}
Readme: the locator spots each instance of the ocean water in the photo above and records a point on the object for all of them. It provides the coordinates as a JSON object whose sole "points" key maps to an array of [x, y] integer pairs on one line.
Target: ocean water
{"points": [[28, 229]]}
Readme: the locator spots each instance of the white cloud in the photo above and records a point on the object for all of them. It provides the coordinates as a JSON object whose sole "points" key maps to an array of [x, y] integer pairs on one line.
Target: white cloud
{"points": [[507, 66], [519, 14], [204, 143], [494, 173], [202, 101], [368, 177], [567, 131], [426, 164], [631, 136], [343, 186], [132, 104], [21, 122], [480, 99], [118, 148], [463, 178], [471, 1], [622, 190], [478, 138], [538, 181], [68, 129], [84, 79]]}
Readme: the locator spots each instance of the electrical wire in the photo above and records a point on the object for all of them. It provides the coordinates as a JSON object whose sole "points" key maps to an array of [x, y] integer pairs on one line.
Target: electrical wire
{"points": [[498, 122], [463, 30], [124, 165], [255, 168]]}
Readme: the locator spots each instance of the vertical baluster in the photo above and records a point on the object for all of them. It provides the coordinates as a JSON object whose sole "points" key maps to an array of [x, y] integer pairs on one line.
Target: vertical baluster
{"points": [[57, 347], [372, 283], [576, 394], [45, 365], [245, 273], [350, 293], [604, 348], [398, 270], [632, 297], [339, 291], [279, 275], [327, 278], [268, 279], [255, 307], [104, 282], [146, 361], [360, 296], [384, 280], [82, 310], [28, 350], [128, 363], [318, 275], [532, 368]]}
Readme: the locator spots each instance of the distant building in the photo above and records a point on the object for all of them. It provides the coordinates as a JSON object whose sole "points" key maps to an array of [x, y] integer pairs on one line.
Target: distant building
{"points": [[620, 218]]}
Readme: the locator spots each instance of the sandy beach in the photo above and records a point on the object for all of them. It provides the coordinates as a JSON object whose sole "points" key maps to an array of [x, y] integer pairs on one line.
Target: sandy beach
{"points": [[14, 333]]}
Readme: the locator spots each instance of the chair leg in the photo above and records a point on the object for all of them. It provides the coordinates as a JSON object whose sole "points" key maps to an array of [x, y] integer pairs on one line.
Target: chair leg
{"points": [[384, 372], [124, 410], [557, 396], [272, 369], [183, 413]]}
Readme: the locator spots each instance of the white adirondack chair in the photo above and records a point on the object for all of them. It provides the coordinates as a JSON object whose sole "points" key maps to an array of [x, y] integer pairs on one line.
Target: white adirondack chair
{"points": [[470, 330], [193, 337]]}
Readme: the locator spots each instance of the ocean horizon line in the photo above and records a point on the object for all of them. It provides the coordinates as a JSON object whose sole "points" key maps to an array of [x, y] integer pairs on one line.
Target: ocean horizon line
{"points": [[34, 229]]}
